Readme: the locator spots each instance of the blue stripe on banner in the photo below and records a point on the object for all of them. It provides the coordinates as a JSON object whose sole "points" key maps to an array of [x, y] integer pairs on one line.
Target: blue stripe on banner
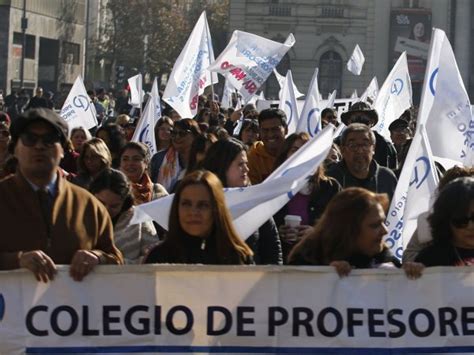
{"points": [[246, 349]]}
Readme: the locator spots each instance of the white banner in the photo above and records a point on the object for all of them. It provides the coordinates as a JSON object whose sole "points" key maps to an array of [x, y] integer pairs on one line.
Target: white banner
{"points": [[151, 309], [145, 131], [450, 125], [281, 81], [190, 74], [394, 97], [78, 109], [356, 61], [370, 94], [155, 97], [288, 103], [413, 194], [248, 60], [310, 118], [136, 90]]}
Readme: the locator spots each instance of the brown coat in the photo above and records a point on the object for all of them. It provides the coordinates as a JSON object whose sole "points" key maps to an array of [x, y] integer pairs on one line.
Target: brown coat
{"points": [[79, 221]]}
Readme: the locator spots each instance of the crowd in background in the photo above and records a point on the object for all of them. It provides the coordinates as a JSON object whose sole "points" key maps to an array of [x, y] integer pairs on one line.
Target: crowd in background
{"points": [[94, 179]]}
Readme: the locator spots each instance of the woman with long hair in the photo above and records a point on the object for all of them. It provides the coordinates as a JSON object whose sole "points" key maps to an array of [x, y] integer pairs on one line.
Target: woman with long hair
{"points": [[114, 137], [134, 160], [228, 160], [94, 157], [133, 240], [200, 226], [350, 234], [168, 166], [163, 128], [452, 226], [79, 135], [309, 203]]}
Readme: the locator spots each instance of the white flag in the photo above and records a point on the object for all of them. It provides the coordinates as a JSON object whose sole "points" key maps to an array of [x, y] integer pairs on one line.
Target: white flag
{"points": [[288, 103], [155, 96], [145, 131], [354, 94], [449, 125], [296, 171], [78, 109], [281, 81], [226, 101], [394, 97], [136, 90], [310, 118], [413, 194], [190, 75], [356, 61], [370, 94], [253, 205], [248, 60]]}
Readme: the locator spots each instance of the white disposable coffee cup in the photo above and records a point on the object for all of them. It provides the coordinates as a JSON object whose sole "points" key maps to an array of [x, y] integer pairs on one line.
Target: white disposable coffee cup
{"points": [[292, 220]]}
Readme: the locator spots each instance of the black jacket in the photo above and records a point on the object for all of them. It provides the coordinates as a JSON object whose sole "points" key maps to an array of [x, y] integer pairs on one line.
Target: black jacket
{"points": [[380, 179], [265, 244]]}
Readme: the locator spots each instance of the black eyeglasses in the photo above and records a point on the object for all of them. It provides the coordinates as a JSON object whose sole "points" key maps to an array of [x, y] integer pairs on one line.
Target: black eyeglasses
{"points": [[462, 222], [180, 134], [30, 139]]}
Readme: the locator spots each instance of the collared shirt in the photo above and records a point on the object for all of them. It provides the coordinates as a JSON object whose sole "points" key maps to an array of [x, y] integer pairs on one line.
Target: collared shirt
{"points": [[51, 188]]}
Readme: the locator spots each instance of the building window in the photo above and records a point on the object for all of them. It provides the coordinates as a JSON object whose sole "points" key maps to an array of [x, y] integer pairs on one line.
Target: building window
{"points": [[279, 8], [330, 73], [30, 44], [71, 53], [333, 11]]}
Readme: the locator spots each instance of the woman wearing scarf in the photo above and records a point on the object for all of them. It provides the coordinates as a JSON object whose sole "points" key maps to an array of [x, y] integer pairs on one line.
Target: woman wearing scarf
{"points": [[134, 159]]}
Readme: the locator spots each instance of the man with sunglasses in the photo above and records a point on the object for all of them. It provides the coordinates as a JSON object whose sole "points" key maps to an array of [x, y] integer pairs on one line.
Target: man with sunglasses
{"points": [[45, 219], [361, 112]]}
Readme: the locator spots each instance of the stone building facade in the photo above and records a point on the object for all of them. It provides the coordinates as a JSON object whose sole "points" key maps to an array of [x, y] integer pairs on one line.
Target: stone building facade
{"points": [[327, 31]]}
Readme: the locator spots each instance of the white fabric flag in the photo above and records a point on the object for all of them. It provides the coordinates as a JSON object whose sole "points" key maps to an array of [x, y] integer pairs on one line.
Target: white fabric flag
{"points": [[413, 194], [394, 97], [297, 170], [226, 101], [155, 96], [190, 75], [253, 205], [248, 60], [78, 110], [355, 95], [136, 90], [145, 131], [370, 94], [310, 118], [356, 61], [281, 81], [450, 125], [288, 103]]}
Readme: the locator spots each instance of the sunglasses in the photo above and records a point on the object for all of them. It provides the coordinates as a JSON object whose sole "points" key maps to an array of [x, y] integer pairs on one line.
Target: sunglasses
{"points": [[30, 139], [180, 134], [462, 222]]}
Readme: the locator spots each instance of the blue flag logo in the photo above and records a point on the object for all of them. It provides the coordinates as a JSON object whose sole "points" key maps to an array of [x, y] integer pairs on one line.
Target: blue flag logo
{"points": [[2, 306]]}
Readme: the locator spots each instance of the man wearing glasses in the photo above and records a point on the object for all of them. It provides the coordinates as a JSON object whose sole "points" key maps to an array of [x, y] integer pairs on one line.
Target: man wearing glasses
{"points": [[45, 219], [358, 167], [361, 112]]}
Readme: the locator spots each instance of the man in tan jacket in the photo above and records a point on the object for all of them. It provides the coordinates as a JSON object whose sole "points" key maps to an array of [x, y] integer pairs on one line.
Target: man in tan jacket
{"points": [[44, 219]]}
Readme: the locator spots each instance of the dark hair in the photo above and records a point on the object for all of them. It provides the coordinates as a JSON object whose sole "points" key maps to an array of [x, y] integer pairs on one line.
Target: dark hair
{"points": [[115, 181], [454, 173], [332, 240], [199, 145], [270, 113], [230, 248], [188, 124], [159, 123], [328, 110], [220, 156], [116, 137], [289, 141], [138, 146], [248, 124], [356, 127], [202, 112], [453, 201]]}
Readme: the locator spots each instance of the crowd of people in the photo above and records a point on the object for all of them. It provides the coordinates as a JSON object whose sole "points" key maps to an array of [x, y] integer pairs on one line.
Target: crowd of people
{"points": [[69, 197]]}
